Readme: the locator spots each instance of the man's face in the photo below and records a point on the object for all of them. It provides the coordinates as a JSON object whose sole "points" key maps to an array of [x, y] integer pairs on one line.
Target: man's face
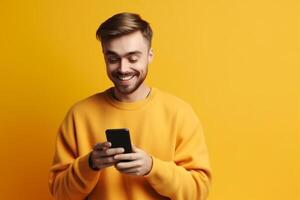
{"points": [[127, 58]]}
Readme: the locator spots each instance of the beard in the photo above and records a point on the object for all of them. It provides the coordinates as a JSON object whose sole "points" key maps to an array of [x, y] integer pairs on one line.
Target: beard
{"points": [[129, 89]]}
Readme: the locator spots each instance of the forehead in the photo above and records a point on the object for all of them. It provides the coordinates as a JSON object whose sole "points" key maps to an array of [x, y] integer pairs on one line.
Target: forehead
{"points": [[128, 43]]}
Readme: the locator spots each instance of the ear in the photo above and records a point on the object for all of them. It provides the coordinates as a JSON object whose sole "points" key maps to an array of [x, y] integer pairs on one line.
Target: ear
{"points": [[150, 55]]}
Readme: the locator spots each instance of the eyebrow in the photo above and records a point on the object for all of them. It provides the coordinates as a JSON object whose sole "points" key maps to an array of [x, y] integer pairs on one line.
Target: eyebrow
{"points": [[109, 52]]}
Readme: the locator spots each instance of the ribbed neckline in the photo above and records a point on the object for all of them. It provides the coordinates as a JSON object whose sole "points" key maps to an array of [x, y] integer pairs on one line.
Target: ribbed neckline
{"points": [[129, 105]]}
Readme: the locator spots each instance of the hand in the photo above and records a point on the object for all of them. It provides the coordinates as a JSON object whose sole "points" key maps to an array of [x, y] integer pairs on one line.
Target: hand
{"points": [[139, 162], [102, 155]]}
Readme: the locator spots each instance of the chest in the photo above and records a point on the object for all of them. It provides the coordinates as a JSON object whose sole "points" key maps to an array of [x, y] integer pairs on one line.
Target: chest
{"points": [[154, 131]]}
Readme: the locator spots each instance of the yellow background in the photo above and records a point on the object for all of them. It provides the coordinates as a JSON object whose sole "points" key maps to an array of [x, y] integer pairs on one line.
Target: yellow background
{"points": [[236, 62]]}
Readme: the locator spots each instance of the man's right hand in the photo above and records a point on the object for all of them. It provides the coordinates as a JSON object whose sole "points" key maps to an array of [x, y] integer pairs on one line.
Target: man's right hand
{"points": [[102, 156]]}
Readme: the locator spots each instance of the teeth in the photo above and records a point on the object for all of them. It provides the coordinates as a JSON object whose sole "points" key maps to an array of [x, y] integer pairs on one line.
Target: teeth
{"points": [[125, 77]]}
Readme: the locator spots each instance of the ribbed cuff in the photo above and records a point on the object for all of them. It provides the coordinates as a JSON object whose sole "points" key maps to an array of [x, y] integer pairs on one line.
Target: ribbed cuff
{"points": [[85, 170], [160, 172]]}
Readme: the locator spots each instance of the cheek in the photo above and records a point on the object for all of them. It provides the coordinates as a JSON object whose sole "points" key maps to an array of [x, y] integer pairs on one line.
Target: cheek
{"points": [[142, 65], [111, 67], [109, 71]]}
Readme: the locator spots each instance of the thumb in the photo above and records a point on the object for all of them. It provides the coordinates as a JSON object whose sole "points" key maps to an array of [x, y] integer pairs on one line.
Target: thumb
{"points": [[135, 149]]}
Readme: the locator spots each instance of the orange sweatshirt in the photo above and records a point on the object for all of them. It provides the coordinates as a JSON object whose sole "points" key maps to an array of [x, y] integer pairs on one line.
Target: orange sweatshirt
{"points": [[162, 125]]}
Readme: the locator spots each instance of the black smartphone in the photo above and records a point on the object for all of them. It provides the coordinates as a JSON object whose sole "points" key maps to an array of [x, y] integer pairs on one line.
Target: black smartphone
{"points": [[119, 138]]}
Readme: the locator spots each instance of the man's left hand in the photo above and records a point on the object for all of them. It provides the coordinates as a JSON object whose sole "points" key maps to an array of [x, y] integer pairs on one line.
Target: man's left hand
{"points": [[138, 163]]}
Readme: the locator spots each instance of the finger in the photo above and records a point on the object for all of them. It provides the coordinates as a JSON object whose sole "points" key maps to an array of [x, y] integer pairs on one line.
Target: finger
{"points": [[101, 146], [105, 160], [111, 151], [132, 170], [101, 166], [127, 165], [127, 156]]}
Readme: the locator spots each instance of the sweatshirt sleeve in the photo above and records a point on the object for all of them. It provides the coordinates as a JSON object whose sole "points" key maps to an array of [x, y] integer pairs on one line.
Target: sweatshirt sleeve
{"points": [[70, 176], [188, 176]]}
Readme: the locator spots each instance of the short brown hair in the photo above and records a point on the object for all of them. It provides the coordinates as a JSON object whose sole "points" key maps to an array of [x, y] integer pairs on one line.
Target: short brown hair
{"points": [[123, 24]]}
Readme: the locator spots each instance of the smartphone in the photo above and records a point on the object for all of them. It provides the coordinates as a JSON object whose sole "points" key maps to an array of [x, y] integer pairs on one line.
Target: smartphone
{"points": [[119, 138]]}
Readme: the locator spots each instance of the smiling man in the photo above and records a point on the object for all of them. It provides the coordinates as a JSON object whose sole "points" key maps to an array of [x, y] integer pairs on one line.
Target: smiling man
{"points": [[127, 59], [169, 158]]}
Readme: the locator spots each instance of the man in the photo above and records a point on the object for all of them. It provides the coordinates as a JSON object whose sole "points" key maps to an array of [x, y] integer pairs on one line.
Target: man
{"points": [[169, 159]]}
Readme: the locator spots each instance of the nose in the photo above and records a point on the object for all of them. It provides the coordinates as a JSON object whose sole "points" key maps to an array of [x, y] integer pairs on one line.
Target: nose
{"points": [[124, 66]]}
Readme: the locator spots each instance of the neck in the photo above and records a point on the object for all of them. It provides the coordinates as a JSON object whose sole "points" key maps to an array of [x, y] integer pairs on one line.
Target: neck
{"points": [[141, 93]]}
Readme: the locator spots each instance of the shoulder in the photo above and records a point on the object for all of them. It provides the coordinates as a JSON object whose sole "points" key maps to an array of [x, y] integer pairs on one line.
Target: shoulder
{"points": [[183, 112], [173, 102], [90, 103]]}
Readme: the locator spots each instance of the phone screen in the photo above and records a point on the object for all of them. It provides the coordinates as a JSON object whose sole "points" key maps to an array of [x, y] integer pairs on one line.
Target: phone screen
{"points": [[119, 138]]}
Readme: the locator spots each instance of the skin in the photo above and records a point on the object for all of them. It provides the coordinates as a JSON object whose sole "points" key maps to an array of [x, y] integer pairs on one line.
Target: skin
{"points": [[128, 55], [127, 58]]}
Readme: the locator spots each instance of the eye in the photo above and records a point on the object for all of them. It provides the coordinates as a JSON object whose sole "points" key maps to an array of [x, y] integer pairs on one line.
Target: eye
{"points": [[133, 59], [112, 60]]}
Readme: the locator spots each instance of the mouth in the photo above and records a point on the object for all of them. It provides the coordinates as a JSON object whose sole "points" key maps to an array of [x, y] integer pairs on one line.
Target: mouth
{"points": [[124, 77]]}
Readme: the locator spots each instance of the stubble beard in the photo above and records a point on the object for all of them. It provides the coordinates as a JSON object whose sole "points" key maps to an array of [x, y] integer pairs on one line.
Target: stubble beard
{"points": [[126, 90]]}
